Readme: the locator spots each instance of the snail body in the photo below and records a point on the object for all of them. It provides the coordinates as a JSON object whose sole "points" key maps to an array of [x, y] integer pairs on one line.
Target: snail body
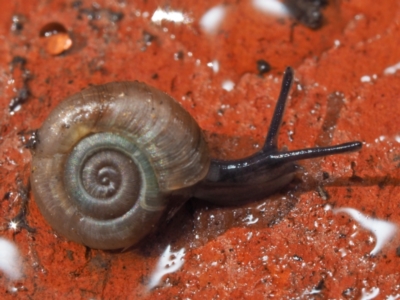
{"points": [[112, 160]]}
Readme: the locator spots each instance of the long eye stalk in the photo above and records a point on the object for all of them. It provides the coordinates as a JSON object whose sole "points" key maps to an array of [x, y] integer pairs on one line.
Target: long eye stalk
{"points": [[315, 152], [272, 138]]}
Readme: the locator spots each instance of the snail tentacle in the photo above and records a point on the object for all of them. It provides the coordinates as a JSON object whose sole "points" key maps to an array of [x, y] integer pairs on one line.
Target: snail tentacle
{"points": [[271, 141], [266, 171]]}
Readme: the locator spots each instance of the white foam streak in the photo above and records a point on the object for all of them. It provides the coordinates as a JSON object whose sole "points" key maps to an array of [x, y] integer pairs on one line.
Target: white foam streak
{"points": [[273, 7], [169, 262], [369, 296], [392, 69], [250, 220], [10, 260], [365, 78], [170, 15], [382, 230], [312, 292], [212, 19]]}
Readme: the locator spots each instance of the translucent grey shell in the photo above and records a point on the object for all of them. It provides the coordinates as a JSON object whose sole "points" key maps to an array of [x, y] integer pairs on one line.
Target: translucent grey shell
{"points": [[169, 141]]}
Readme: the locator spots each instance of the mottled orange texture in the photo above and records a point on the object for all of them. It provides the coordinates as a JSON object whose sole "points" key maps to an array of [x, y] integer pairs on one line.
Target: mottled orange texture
{"points": [[298, 244]]}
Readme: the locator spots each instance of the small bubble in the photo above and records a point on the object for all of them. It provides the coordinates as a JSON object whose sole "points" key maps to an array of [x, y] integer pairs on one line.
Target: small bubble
{"points": [[263, 67], [57, 38]]}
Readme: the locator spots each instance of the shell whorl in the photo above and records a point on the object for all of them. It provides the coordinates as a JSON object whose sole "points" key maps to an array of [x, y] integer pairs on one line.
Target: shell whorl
{"points": [[108, 160]]}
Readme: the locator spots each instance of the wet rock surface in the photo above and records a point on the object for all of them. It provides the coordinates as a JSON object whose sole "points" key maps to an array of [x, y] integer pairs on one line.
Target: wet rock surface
{"points": [[293, 245]]}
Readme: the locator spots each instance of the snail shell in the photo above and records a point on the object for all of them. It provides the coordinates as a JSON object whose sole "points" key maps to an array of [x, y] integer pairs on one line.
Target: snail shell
{"points": [[109, 158], [112, 160]]}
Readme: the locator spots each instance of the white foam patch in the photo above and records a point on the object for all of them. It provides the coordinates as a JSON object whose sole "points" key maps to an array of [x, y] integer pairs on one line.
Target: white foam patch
{"points": [[228, 85], [371, 295], [169, 262], [382, 230], [312, 292], [170, 15], [10, 260], [212, 19], [273, 7], [392, 69], [250, 220], [214, 65], [365, 78]]}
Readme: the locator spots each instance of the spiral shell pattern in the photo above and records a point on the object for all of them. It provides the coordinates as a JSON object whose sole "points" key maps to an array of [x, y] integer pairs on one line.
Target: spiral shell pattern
{"points": [[108, 160]]}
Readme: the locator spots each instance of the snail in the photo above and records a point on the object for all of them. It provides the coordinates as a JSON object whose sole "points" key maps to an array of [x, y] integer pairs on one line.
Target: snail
{"points": [[114, 159]]}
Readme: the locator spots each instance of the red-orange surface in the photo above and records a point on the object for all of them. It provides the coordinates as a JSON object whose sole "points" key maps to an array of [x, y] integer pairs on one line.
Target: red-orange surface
{"points": [[300, 245]]}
